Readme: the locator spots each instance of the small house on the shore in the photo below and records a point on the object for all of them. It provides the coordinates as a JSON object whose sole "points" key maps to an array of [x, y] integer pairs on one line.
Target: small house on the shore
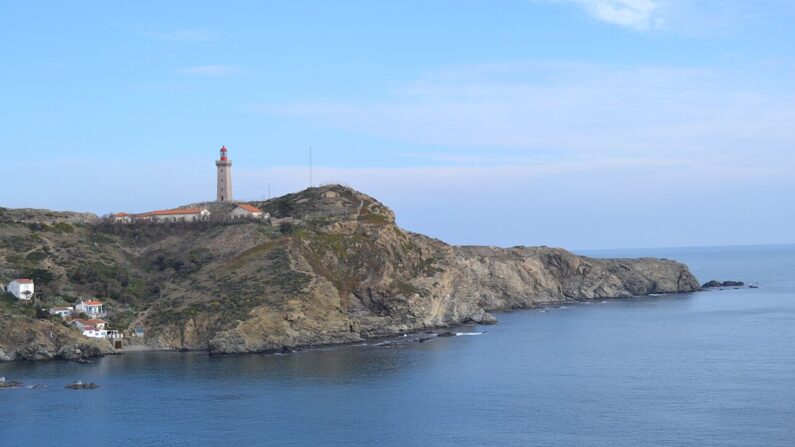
{"points": [[21, 288], [96, 328], [246, 211], [92, 308]]}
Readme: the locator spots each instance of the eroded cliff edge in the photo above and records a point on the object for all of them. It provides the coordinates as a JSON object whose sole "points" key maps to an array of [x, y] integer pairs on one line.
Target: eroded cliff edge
{"points": [[333, 267]]}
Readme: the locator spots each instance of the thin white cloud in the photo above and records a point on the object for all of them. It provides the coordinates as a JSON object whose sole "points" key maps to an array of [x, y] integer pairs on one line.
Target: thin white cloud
{"points": [[211, 70], [572, 109], [634, 14], [459, 159], [182, 36], [694, 18]]}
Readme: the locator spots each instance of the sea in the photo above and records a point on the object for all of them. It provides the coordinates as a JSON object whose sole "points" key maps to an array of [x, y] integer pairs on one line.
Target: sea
{"points": [[712, 368]]}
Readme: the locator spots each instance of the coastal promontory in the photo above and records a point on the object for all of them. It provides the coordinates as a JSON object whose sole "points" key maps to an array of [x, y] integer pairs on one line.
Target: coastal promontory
{"points": [[330, 265]]}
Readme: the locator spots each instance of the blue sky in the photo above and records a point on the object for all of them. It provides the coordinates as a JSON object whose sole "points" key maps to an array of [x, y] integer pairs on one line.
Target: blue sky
{"points": [[575, 123]]}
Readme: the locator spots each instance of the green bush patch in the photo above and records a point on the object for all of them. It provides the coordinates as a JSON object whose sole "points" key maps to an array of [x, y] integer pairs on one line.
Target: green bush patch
{"points": [[36, 256]]}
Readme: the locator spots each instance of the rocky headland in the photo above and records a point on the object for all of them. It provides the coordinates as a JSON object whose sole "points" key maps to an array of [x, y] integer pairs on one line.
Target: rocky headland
{"points": [[331, 267], [24, 338]]}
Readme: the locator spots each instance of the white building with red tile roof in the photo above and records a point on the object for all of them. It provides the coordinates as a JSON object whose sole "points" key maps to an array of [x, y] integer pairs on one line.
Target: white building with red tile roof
{"points": [[92, 308], [96, 328], [120, 217], [177, 215], [90, 323], [21, 288], [244, 210]]}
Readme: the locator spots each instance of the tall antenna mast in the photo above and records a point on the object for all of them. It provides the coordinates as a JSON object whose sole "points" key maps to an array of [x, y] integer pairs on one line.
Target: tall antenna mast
{"points": [[310, 166]]}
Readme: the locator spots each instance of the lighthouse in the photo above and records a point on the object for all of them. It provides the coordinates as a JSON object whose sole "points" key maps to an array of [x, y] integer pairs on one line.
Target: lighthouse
{"points": [[224, 166]]}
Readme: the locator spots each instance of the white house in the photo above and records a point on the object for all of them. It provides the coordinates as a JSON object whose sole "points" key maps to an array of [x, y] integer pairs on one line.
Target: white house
{"points": [[63, 312], [96, 328], [178, 215], [92, 308], [120, 218], [21, 288], [247, 211], [93, 324]]}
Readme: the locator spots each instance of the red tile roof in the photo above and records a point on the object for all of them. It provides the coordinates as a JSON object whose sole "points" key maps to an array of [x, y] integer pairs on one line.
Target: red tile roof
{"points": [[93, 302], [119, 215], [250, 208], [24, 281], [171, 212]]}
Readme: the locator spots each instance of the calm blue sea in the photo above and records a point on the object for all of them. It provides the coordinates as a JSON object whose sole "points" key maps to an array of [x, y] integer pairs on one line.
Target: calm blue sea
{"points": [[706, 369]]}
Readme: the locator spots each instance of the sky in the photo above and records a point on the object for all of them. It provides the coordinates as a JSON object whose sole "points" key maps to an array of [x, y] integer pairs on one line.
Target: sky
{"points": [[572, 123]]}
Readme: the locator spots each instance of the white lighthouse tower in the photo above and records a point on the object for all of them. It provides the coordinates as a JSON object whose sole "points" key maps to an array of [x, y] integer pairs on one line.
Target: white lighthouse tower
{"points": [[224, 166]]}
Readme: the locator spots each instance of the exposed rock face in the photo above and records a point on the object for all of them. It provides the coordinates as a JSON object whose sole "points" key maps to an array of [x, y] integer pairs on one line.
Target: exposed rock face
{"points": [[29, 339], [341, 272]]}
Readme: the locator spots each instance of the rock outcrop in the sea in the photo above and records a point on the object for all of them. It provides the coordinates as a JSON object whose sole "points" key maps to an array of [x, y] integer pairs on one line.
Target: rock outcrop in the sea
{"points": [[332, 267], [714, 283]]}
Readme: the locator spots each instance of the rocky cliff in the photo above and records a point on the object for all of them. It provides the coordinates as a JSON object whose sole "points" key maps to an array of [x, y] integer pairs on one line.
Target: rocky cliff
{"points": [[331, 267], [32, 339]]}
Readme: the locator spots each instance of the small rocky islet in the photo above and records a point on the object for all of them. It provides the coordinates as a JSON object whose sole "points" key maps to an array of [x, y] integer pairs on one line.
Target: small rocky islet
{"points": [[330, 266], [712, 284], [79, 385], [7, 384]]}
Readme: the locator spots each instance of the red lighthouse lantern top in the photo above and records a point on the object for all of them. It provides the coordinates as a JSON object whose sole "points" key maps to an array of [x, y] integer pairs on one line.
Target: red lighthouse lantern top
{"points": [[223, 153]]}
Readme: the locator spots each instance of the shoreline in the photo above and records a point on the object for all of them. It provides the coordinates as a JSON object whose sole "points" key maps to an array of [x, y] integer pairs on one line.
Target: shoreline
{"points": [[430, 333], [413, 337]]}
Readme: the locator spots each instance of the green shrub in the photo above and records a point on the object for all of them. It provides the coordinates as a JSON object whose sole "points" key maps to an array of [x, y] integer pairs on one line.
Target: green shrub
{"points": [[15, 260], [373, 219], [285, 208], [108, 280], [121, 320], [36, 256], [286, 228], [39, 276], [34, 226], [63, 227]]}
